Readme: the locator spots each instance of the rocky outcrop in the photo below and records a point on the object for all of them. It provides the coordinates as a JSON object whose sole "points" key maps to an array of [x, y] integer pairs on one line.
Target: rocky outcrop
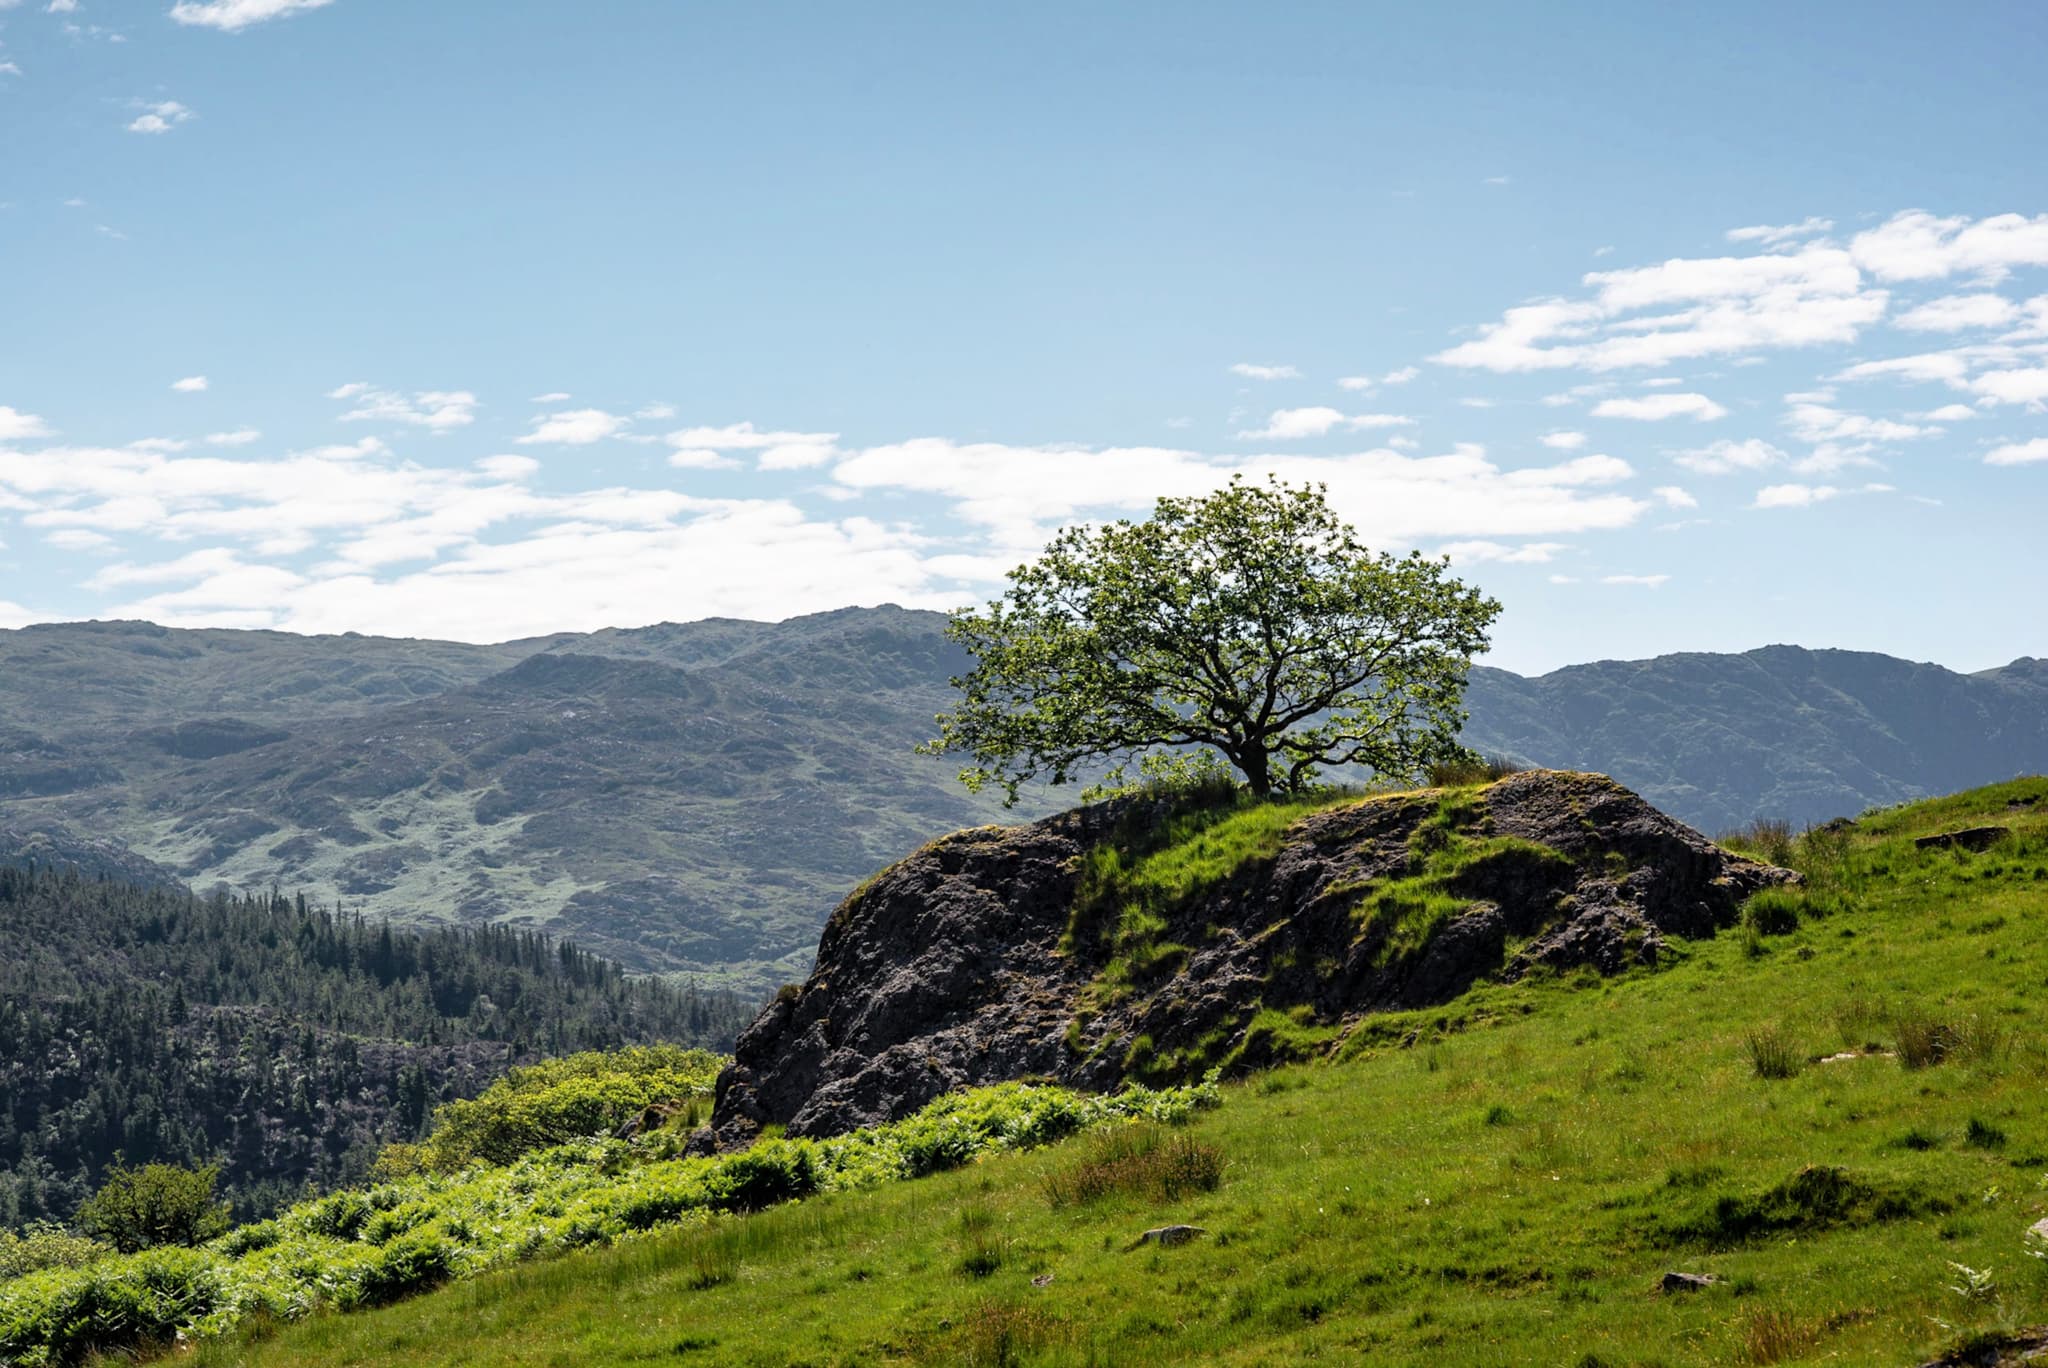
{"points": [[989, 955]]}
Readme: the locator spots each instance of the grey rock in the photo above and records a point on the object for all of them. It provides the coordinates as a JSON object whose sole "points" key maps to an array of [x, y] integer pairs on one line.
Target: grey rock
{"points": [[953, 968], [1168, 1237], [1689, 1282], [1969, 838]]}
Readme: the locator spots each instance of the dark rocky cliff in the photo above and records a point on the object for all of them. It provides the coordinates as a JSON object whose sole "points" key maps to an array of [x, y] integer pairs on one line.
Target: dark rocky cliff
{"points": [[990, 955]]}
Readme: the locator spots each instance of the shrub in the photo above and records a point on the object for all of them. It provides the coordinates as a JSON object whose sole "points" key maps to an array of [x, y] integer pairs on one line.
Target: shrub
{"points": [[1773, 911], [1463, 771], [1983, 1135], [157, 1204], [1772, 1054], [43, 1245], [1140, 1160], [1765, 838], [561, 1100]]}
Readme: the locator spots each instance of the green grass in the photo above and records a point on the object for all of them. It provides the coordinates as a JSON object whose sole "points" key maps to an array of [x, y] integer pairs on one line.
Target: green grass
{"points": [[1500, 1181]]}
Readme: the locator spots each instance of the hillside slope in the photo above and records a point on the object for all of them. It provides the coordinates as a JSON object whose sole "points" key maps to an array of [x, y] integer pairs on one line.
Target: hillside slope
{"points": [[270, 1037], [1833, 1123]]}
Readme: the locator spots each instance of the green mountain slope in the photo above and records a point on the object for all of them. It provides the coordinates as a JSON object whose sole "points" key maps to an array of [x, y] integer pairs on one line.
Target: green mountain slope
{"points": [[270, 1037], [1831, 1118]]}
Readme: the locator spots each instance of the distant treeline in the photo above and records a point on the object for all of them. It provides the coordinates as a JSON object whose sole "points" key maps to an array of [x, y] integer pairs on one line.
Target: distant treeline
{"points": [[283, 1041]]}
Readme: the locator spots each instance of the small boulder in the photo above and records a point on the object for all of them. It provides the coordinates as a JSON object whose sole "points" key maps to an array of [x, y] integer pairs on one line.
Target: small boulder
{"points": [[2039, 1230], [1167, 1237], [1969, 838], [1689, 1282]]}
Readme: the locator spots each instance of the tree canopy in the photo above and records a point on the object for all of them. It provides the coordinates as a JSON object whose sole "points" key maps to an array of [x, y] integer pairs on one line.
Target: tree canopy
{"points": [[1249, 624]]}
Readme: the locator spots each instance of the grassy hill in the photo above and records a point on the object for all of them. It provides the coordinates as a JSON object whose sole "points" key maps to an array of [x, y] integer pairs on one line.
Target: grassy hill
{"points": [[1833, 1111]]}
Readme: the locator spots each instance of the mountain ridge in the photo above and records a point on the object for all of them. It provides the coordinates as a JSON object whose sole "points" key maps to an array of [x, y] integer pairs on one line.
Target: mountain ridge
{"points": [[693, 798]]}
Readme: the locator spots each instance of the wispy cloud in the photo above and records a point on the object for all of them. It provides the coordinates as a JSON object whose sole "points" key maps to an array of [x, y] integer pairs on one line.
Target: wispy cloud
{"points": [[16, 426], [2018, 453], [1255, 372], [191, 384], [1954, 313], [1293, 424], [234, 15], [573, 427], [437, 410], [1724, 457], [1652, 408], [160, 116], [1773, 235], [1639, 581]]}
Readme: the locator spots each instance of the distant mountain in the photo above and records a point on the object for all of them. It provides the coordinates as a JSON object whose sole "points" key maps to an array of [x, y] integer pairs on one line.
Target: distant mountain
{"points": [[695, 797], [1778, 732]]}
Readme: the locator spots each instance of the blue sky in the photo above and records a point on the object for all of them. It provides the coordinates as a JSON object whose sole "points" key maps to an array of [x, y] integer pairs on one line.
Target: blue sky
{"points": [[1677, 330]]}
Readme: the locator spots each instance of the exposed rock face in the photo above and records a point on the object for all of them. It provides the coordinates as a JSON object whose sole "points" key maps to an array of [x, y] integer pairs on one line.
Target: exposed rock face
{"points": [[972, 961]]}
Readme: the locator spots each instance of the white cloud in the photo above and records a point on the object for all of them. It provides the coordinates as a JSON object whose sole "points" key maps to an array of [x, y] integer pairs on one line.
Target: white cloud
{"points": [[1793, 495], [1401, 376], [9, 69], [1017, 492], [16, 426], [2028, 386], [2019, 453], [1953, 313], [1563, 441], [1672, 496], [1773, 236], [78, 539], [700, 458], [552, 397], [1682, 308], [1817, 423], [745, 437], [1916, 245], [510, 468], [1950, 413], [1499, 180], [1479, 552], [191, 384], [1255, 372], [233, 15], [13, 615], [238, 437], [437, 410], [1293, 424], [1478, 403], [1358, 384], [1657, 407], [655, 412], [573, 427], [159, 117], [61, 7], [1639, 581]]}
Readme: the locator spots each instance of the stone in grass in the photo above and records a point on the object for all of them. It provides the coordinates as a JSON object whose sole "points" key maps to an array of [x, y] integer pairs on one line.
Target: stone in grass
{"points": [[1970, 838], [1166, 1237], [1689, 1282], [2039, 1230]]}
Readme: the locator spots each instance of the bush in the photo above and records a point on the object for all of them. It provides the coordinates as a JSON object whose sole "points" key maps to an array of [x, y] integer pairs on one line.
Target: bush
{"points": [[157, 1204], [1765, 838], [43, 1246], [557, 1101], [1464, 771], [1140, 1160], [1773, 911], [1772, 1054]]}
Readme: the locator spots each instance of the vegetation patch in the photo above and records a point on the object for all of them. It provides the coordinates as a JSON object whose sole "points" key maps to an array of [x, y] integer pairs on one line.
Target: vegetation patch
{"points": [[357, 1249], [1147, 1162], [1816, 1198]]}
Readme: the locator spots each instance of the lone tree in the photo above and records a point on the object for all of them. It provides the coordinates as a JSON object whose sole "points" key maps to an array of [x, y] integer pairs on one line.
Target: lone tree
{"points": [[1250, 622]]}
